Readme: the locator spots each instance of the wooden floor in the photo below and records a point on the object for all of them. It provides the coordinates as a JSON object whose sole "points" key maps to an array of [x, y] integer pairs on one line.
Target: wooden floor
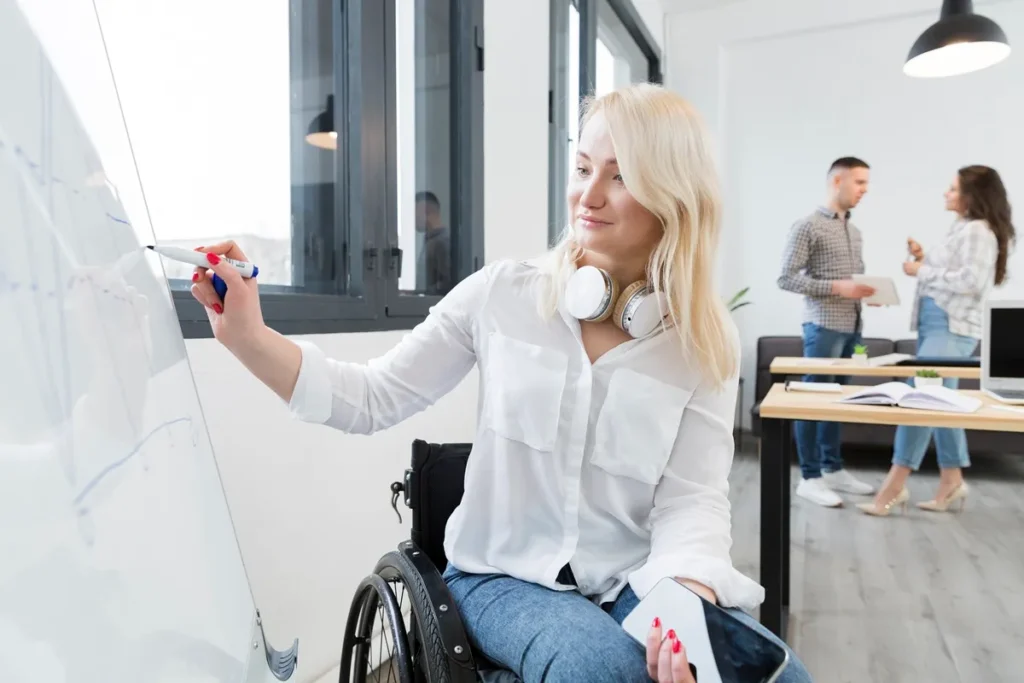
{"points": [[929, 597]]}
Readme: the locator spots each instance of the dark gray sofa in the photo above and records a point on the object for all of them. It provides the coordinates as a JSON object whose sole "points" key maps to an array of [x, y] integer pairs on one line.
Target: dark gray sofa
{"points": [[862, 435]]}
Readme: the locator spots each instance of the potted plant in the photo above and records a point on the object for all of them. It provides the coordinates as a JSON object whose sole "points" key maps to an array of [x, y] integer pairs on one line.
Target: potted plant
{"points": [[927, 378], [860, 354], [737, 300]]}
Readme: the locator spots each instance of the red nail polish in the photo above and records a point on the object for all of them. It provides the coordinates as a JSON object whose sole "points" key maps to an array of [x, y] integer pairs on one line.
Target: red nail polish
{"points": [[218, 309], [676, 646], [671, 634], [195, 277], [213, 259], [657, 622]]}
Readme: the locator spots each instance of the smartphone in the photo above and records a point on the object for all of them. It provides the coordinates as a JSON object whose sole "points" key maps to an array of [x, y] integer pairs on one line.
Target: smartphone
{"points": [[721, 647]]}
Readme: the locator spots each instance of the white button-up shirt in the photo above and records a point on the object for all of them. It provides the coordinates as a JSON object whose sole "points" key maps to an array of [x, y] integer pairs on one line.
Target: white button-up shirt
{"points": [[619, 468]]}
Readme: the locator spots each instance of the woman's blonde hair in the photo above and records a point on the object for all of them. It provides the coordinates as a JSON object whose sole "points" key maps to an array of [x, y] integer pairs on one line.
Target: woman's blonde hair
{"points": [[665, 159]]}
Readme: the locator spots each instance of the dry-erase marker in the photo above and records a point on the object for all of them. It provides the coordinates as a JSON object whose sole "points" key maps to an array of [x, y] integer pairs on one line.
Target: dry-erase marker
{"points": [[198, 258]]}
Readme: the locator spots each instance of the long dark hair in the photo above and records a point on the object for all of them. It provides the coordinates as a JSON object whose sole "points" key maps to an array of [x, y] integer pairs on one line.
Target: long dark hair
{"points": [[983, 197]]}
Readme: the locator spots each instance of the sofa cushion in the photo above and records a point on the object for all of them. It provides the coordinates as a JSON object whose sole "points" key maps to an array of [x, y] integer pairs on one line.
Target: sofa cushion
{"points": [[769, 348], [907, 346]]}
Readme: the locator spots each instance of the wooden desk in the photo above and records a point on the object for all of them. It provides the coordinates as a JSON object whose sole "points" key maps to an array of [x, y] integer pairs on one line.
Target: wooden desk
{"points": [[846, 367], [778, 409]]}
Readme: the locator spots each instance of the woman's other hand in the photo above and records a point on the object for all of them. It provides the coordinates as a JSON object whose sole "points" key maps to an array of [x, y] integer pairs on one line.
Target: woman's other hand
{"points": [[914, 247], [911, 268], [238, 317], [666, 657]]}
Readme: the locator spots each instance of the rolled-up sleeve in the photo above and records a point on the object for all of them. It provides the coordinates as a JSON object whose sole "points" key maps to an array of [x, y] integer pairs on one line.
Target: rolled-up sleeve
{"points": [[691, 533], [430, 361]]}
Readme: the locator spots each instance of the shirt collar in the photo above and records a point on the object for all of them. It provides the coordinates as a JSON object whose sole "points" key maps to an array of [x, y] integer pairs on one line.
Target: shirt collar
{"points": [[825, 211]]}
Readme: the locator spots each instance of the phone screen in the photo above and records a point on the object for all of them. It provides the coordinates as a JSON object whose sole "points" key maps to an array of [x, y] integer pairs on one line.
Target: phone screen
{"points": [[723, 648]]}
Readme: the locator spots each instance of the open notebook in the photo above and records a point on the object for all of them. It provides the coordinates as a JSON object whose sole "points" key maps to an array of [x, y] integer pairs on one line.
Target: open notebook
{"points": [[905, 396]]}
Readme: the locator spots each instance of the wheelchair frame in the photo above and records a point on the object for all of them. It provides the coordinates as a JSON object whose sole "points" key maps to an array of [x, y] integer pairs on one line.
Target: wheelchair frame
{"points": [[432, 489]]}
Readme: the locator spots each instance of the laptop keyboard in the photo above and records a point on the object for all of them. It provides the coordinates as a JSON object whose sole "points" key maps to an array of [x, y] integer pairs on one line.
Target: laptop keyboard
{"points": [[1010, 393]]}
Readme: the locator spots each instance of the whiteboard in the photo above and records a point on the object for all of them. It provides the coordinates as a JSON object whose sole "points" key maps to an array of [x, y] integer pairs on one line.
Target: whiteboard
{"points": [[118, 557]]}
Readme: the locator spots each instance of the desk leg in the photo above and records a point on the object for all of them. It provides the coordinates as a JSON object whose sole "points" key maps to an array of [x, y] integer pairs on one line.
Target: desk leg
{"points": [[774, 518], [786, 448]]}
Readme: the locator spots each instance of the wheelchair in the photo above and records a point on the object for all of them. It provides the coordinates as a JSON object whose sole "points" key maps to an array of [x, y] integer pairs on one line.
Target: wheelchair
{"points": [[431, 647]]}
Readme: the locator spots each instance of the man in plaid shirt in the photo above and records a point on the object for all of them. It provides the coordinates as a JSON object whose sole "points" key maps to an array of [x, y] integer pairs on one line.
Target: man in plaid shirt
{"points": [[822, 253]]}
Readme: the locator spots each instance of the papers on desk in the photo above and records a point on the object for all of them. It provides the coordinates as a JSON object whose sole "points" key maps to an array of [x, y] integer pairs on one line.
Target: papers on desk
{"points": [[888, 359], [885, 290], [903, 395], [816, 387]]}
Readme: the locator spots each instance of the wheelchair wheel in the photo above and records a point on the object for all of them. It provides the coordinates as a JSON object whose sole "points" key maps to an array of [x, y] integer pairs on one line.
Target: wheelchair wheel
{"points": [[420, 652], [430, 662], [391, 662]]}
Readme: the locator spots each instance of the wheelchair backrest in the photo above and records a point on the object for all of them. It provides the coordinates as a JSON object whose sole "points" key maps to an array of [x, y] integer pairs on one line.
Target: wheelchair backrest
{"points": [[434, 487]]}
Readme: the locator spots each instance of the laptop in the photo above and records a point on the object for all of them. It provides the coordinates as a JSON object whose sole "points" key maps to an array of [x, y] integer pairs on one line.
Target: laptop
{"points": [[1002, 353]]}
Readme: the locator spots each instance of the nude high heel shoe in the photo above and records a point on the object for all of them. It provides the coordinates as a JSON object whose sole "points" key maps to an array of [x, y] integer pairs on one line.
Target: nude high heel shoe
{"points": [[901, 499], [958, 494]]}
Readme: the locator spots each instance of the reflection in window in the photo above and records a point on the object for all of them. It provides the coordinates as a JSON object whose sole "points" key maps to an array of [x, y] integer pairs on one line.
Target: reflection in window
{"points": [[423, 103]]}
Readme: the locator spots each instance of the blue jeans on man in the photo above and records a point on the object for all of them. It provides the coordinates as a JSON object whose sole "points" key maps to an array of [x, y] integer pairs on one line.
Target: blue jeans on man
{"points": [[817, 443]]}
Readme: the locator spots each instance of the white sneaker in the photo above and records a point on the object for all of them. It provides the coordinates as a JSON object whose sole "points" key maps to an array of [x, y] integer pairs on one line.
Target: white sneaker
{"points": [[846, 482], [817, 491]]}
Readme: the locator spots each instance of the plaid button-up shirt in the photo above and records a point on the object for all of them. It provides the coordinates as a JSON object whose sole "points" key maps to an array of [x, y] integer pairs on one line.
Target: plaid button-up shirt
{"points": [[821, 248], [958, 274]]}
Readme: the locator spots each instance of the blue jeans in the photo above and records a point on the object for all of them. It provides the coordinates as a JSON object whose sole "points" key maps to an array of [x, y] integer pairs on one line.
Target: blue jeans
{"points": [[560, 636], [817, 443], [934, 339]]}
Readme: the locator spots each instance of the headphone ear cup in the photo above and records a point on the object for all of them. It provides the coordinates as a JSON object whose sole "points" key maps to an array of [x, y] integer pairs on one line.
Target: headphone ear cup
{"points": [[613, 297], [591, 294], [623, 300]]}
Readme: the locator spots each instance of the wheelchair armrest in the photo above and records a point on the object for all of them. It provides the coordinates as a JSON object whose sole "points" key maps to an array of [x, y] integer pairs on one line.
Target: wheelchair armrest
{"points": [[429, 591]]}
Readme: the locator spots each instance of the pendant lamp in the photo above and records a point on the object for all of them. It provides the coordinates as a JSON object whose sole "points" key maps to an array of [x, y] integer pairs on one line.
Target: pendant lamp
{"points": [[958, 43], [321, 131]]}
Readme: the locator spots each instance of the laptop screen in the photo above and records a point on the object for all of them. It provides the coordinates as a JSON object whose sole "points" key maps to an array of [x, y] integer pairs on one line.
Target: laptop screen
{"points": [[1006, 353]]}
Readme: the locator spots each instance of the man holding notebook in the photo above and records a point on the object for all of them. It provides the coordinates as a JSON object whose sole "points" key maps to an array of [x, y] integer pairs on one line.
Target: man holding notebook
{"points": [[823, 252]]}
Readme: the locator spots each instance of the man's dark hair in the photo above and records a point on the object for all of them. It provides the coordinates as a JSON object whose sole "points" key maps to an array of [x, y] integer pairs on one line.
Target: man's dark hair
{"points": [[428, 197], [847, 163]]}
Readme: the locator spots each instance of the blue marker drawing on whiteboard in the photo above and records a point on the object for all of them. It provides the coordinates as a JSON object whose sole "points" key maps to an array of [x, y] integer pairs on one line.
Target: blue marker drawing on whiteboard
{"points": [[198, 258]]}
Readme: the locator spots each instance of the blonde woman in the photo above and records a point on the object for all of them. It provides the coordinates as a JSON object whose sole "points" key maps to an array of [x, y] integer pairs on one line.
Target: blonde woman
{"points": [[608, 383]]}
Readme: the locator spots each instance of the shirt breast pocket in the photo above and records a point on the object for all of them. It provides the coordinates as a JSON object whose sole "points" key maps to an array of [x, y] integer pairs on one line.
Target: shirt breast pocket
{"points": [[524, 385], [637, 426]]}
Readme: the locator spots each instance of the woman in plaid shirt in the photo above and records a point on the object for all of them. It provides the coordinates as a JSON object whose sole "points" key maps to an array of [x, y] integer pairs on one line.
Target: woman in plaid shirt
{"points": [[953, 281]]}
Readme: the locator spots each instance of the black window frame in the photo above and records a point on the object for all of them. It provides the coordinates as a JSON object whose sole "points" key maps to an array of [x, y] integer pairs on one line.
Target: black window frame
{"points": [[627, 13], [364, 259]]}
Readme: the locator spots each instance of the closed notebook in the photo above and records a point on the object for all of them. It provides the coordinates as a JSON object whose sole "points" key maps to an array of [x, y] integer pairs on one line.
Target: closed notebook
{"points": [[903, 395]]}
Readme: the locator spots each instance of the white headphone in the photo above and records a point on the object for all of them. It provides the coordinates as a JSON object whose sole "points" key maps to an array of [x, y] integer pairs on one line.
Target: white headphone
{"points": [[592, 295]]}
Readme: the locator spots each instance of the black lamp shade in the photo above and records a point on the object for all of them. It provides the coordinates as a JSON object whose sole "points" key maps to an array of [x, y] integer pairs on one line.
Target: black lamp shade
{"points": [[958, 43], [321, 131]]}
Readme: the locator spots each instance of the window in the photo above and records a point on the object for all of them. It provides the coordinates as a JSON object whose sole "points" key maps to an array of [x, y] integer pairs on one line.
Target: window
{"points": [[619, 59], [596, 46], [437, 218], [339, 142]]}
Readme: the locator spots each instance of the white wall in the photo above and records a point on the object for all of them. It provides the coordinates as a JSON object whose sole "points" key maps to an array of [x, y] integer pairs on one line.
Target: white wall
{"points": [[789, 85], [312, 506]]}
